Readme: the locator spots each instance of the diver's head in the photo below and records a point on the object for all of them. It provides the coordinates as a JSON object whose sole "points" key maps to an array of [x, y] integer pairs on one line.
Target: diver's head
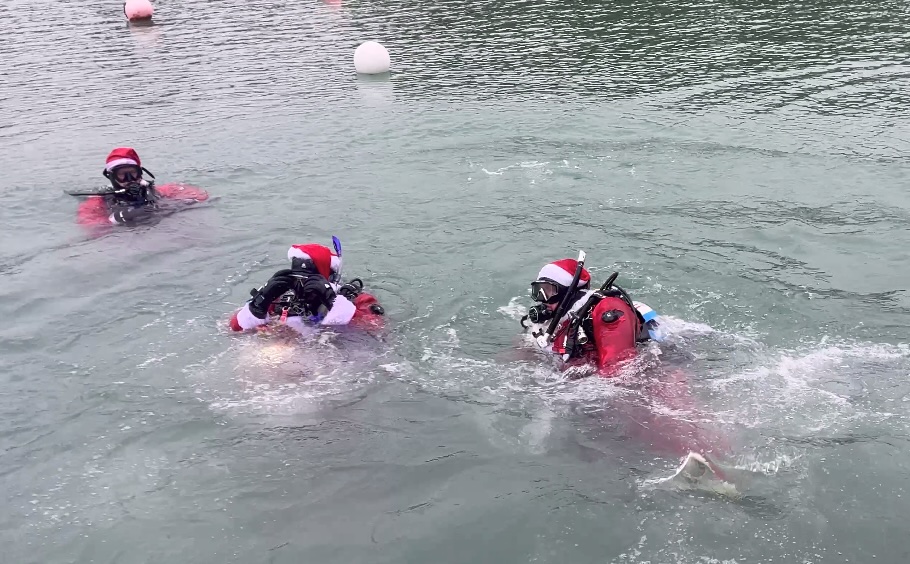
{"points": [[317, 258], [553, 282], [124, 170]]}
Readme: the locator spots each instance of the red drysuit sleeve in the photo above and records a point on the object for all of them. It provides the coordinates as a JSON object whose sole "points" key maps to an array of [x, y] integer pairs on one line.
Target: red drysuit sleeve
{"points": [[182, 192], [93, 211]]}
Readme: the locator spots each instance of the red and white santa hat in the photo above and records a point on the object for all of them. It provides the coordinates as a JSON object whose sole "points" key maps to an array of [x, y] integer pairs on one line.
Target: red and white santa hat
{"points": [[562, 272], [323, 258], [122, 156]]}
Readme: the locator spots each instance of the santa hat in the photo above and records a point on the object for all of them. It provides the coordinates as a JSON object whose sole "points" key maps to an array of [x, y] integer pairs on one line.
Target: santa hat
{"points": [[122, 156], [323, 258], [562, 272]]}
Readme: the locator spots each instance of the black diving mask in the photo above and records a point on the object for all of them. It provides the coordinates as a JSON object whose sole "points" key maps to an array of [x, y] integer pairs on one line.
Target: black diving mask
{"points": [[126, 175], [545, 291]]}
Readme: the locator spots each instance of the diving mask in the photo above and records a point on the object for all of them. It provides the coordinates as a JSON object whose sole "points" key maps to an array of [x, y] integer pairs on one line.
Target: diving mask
{"points": [[126, 175], [545, 291]]}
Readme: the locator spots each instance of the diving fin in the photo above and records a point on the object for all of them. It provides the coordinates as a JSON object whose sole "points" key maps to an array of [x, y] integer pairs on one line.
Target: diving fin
{"points": [[698, 473], [695, 467]]}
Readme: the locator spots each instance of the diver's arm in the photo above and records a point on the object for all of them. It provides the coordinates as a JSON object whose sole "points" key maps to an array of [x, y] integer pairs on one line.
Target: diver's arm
{"points": [[93, 211], [181, 193], [255, 312], [321, 297], [341, 312], [243, 319]]}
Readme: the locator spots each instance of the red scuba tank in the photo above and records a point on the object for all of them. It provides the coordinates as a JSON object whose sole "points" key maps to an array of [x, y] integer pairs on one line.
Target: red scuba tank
{"points": [[616, 328]]}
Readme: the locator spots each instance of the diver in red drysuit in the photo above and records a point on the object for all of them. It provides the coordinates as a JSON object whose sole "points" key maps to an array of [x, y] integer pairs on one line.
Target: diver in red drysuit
{"points": [[131, 197], [308, 294], [600, 330]]}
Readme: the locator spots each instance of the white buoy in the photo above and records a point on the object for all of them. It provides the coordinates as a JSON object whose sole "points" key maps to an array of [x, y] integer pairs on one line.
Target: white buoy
{"points": [[138, 10], [371, 58]]}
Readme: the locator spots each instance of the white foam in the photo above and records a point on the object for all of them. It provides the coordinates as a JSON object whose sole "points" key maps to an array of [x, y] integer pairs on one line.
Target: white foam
{"points": [[515, 309], [799, 368], [771, 467], [275, 375], [806, 392], [676, 326], [523, 164]]}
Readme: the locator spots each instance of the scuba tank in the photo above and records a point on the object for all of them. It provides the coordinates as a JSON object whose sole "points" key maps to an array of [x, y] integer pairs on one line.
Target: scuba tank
{"points": [[577, 335]]}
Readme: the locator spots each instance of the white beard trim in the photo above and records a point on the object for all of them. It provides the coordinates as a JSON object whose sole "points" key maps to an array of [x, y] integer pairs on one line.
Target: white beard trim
{"points": [[247, 320], [341, 313]]}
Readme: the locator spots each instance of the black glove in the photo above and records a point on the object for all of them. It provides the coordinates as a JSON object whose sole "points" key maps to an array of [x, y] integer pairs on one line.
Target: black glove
{"points": [[316, 293], [130, 214], [264, 296]]}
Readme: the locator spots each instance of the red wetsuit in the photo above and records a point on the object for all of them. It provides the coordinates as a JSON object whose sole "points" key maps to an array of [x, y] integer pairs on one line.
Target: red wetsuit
{"points": [[99, 210]]}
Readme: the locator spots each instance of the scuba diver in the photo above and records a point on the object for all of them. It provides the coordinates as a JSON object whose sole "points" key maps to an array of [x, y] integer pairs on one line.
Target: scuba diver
{"points": [[308, 294], [131, 198], [587, 327], [596, 330]]}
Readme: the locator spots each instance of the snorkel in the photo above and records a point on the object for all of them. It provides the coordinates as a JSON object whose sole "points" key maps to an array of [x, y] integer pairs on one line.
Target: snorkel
{"points": [[337, 244]]}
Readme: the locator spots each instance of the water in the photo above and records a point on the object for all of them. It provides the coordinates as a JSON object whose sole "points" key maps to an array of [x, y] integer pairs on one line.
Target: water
{"points": [[742, 166]]}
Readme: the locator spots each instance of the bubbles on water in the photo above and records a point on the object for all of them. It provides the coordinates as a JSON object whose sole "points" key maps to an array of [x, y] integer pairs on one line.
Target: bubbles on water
{"points": [[752, 463]]}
